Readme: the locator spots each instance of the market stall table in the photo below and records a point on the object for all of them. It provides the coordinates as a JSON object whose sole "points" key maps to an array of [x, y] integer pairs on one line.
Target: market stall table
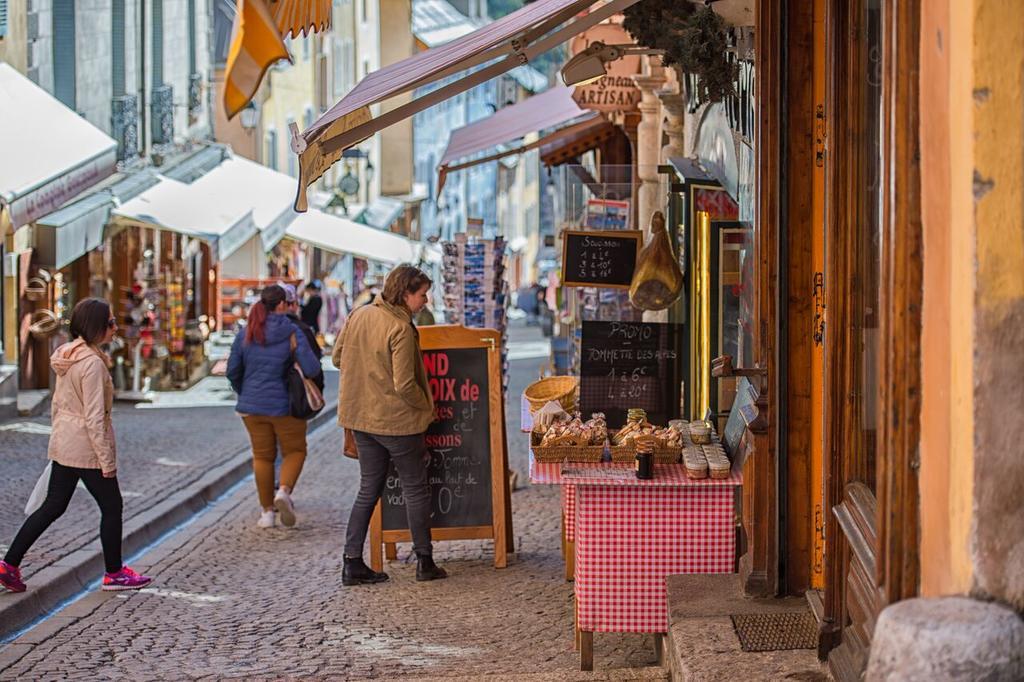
{"points": [[630, 534]]}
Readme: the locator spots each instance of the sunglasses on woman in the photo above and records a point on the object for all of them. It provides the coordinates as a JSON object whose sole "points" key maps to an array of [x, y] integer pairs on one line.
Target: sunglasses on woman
{"points": [[111, 323]]}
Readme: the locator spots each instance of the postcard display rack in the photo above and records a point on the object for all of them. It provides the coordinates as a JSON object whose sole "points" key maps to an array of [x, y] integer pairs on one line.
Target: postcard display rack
{"points": [[475, 291]]}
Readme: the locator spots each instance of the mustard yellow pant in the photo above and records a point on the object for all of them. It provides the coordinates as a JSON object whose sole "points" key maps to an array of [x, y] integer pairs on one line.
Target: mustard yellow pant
{"points": [[266, 433]]}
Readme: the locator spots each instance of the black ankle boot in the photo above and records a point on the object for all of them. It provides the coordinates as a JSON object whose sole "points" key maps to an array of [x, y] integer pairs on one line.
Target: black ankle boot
{"points": [[426, 569], [358, 573]]}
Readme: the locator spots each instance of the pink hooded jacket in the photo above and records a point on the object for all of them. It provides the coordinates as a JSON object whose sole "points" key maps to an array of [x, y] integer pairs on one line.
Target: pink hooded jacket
{"points": [[83, 433]]}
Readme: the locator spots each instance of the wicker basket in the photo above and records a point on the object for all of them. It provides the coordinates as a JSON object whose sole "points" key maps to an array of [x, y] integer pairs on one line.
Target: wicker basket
{"points": [[570, 453], [623, 453], [560, 389]]}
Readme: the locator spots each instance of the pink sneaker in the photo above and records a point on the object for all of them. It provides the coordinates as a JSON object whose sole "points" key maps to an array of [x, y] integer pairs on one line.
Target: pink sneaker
{"points": [[10, 577], [125, 579]]}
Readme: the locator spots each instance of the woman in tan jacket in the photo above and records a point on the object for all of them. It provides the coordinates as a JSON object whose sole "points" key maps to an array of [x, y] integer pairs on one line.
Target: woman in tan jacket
{"points": [[81, 447], [385, 399]]}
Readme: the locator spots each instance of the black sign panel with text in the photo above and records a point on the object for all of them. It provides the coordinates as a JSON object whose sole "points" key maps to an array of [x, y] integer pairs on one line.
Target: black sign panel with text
{"points": [[459, 444], [600, 258], [627, 365]]}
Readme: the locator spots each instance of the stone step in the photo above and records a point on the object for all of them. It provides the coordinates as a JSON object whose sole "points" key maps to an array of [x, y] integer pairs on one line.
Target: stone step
{"points": [[702, 643]]}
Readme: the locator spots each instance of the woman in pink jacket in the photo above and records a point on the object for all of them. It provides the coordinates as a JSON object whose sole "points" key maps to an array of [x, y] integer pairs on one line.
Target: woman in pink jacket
{"points": [[81, 447]]}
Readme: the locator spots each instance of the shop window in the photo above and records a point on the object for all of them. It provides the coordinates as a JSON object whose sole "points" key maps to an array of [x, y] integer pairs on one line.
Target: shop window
{"points": [[64, 66], [868, 252], [270, 153]]}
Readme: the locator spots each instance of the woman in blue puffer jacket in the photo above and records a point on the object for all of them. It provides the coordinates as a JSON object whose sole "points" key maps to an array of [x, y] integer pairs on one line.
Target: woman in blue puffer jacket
{"points": [[259, 360]]}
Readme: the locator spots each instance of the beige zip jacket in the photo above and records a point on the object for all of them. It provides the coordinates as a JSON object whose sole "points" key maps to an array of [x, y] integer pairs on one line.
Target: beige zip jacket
{"points": [[83, 432], [383, 388]]}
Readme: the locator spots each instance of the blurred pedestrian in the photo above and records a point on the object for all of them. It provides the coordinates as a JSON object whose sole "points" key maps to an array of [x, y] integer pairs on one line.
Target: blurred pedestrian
{"points": [[292, 299], [256, 369], [385, 399], [81, 448], [311, 308]]}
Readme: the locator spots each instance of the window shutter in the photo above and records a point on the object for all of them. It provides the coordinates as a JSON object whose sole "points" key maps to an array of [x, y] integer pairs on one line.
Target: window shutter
{"points": [[272, 149], [117, 46], [3, 18], [64, 52], [191, 36], [157, 68]]}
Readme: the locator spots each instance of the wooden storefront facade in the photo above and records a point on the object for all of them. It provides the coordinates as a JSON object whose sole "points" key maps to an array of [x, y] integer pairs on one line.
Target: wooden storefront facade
{"points": [[831, 500]]}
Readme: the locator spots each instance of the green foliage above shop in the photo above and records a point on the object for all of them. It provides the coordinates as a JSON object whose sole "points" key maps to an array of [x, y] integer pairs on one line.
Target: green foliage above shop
{"points": [[694, 40]]}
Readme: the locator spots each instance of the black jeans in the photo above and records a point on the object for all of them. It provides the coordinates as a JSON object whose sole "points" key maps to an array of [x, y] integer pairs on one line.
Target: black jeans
{"points": [[409, 453], [63, 481]]}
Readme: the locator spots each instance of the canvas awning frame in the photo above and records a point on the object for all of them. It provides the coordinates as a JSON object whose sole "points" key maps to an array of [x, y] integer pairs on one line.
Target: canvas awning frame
{"points": [[360, 124], [567, 131]]}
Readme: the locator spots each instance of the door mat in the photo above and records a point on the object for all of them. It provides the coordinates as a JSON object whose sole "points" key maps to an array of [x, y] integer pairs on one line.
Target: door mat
{"points": [[776, 631]]}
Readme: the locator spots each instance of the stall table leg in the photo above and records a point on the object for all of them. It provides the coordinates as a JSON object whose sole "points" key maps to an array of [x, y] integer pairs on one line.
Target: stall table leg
{"points": [[391, 551], [659, 648], [586, 650]]}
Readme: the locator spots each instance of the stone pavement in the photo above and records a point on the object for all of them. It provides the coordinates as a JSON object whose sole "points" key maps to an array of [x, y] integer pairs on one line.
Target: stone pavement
{"points": [[159, 452], [234, 601]]}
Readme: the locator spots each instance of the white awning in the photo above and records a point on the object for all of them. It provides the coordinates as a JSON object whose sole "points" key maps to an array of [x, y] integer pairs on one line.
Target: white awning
{"points": [[239, 185], [48, 153], [341, 235], [495, 48], [192, 211]]}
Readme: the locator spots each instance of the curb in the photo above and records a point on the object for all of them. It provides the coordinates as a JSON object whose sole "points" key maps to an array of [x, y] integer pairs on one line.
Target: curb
{"points": [[78, 571]]}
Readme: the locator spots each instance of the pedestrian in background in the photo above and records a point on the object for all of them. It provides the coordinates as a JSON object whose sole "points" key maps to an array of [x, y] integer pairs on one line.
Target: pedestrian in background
{"points": [[292, 299], [385, 399], [256, 369], [81, 447], [311, 308]]}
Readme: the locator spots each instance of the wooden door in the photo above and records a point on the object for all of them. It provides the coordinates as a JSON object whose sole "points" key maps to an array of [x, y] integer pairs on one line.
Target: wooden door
{"points": [[873, 270]]}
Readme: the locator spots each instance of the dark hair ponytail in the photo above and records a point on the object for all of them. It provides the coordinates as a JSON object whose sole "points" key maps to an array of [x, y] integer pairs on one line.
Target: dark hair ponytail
{"points": [[270, 298], [90, 320]]}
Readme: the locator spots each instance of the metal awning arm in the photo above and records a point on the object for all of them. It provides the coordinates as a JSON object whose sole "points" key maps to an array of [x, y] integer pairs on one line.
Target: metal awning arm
{"points": [[361, 132]]}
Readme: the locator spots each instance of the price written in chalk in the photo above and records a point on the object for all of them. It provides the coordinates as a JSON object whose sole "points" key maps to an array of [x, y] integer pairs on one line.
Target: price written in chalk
{"points": [[627, 384], [458, 443], [600, 258], [631, 365]]}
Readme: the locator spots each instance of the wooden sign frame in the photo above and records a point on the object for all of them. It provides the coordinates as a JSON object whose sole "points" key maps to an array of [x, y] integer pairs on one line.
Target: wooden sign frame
{"points": [[455, 337], [636, 235]]}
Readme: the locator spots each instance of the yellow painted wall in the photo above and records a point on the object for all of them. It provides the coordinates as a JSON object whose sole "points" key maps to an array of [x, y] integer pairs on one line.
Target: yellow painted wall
{"points": [[972, 164]]}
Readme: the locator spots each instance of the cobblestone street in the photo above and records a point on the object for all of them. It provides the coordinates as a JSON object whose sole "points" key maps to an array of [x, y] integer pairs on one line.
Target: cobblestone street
{"points": [[160, 451], [233, 601]]}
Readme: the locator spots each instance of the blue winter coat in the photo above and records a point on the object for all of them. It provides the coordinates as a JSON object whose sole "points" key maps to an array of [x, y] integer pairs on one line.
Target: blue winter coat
{"points": [[257, 372]]}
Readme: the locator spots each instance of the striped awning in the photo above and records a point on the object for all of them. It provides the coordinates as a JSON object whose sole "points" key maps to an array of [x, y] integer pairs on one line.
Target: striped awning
{"points": [[260, 29], [496, 48], [534, 114]]}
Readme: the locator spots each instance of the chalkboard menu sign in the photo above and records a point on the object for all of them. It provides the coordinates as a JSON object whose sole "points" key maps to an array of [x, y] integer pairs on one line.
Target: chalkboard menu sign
{"points": [[600, 258], [459, 444], [468, 468], [631, 364]]}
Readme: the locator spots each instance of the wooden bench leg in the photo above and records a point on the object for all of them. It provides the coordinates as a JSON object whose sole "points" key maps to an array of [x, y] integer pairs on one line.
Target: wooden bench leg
{"points": [[586, 650], [659, 648], [391, 550]]}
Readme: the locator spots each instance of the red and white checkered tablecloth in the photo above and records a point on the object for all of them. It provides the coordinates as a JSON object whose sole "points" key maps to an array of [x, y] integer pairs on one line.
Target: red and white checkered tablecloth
{"points": [[628, 539], [630, 534]]}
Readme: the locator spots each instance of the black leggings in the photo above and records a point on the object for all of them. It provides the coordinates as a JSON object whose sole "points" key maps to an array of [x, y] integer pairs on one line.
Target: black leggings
{"points": [[63, 481]]}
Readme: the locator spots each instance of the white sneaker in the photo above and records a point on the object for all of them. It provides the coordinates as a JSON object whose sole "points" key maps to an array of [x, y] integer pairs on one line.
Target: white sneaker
{"points": [[267, 519], [285, 507]]}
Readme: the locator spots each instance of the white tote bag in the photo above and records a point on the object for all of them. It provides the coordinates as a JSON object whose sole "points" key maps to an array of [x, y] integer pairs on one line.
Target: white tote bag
{"points": [[35, 500]]}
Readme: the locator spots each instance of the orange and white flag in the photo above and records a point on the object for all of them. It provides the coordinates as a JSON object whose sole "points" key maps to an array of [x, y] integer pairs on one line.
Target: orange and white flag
{"points": [[255, 47]]}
